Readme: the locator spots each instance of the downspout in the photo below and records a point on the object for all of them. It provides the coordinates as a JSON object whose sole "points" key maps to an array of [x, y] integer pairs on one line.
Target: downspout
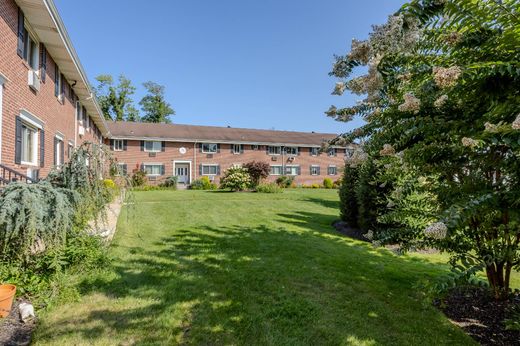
{"points": [[195, 160]]}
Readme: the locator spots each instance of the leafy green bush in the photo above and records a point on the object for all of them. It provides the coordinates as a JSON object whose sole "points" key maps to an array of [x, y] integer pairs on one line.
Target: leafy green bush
{"points": [[139, 179], [367, 196], [170, 182], [203, 184], [348, 203], [269, 188], [236, 179], [315, 186], [327, 183], [285, 181]]}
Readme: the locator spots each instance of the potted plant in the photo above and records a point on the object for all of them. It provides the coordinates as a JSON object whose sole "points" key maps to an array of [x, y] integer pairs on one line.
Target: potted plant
{"points": [[7, 293]]}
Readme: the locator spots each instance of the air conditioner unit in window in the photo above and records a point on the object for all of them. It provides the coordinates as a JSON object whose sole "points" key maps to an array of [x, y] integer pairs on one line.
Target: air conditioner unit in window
{"points": [[274, 158], [33, 80], [81, 130], [152, 154], [290, 159]]}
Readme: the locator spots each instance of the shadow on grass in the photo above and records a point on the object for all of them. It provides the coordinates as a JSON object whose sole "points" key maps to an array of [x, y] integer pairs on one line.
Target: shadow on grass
{"points": [[260, 285]]}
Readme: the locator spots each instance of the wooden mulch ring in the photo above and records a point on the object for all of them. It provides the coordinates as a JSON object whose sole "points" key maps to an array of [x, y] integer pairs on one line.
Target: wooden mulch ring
{"points": [[13, 331], [476, 311]]}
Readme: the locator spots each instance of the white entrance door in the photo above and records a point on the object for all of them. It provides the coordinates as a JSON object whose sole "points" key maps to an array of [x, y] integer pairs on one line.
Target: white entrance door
{"points": [[182, 171]]}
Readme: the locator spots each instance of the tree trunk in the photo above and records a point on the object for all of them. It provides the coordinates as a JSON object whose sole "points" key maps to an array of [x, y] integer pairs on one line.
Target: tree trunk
{"points": [[497, 280]]}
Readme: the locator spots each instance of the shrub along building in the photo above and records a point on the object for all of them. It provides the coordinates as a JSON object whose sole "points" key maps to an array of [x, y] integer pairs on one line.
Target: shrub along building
{"points": [[46, 103], [190, 152]]}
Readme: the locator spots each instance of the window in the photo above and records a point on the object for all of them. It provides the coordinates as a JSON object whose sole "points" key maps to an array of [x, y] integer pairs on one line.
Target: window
{"points": [[70, 149], [210, 169], [209, 148], [274, 150], [332, 170], [292, 151], [236, 148], [122, 169], [58, 151], [31, 51], [119, 145], [332, 152], [29, 144], [276, 170], [57, 84], [315, 151], [292, 170], [254, 147], [315, 170], [152, 146], [153, 169]]}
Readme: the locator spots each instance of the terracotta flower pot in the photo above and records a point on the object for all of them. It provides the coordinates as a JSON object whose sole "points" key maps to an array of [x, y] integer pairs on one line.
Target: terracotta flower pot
{"points": [[6, 299]]}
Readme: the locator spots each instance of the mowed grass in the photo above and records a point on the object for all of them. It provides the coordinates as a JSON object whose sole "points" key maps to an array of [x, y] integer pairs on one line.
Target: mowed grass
{"points": [[214, 268]]}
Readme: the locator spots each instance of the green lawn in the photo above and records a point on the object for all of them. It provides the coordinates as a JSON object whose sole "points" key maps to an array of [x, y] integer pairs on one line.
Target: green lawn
{"points": [[213, 268]]}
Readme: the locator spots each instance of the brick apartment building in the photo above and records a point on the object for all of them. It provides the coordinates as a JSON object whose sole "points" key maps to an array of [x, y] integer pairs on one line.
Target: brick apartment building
{"points": [[46, 104], [47, 109], [189, 152]]}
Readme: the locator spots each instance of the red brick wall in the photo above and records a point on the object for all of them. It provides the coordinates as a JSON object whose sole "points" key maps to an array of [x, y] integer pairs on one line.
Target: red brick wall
{"points": [[17, 95], [133, 157]]}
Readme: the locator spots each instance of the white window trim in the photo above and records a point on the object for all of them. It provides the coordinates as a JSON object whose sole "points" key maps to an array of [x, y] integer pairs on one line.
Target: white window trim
{"points": [[210, 152], [152, 164], [59, 148], [281, 169], [311, 150], [32, 35], [291, 166], [31, 119], [239, 149], [332, 152], [35, 145], [153, 151], [274, 146], [315, 166], [286, 153], [332, 166], [209, 164], [122, 141], [118, 170]]}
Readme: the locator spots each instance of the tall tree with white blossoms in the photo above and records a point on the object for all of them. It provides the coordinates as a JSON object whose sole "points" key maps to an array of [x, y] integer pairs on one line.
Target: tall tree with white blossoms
{"points": [[442, 91]]}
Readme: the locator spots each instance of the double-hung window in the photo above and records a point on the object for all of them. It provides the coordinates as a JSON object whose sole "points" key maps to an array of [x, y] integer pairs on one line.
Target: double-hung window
{"points": [[58, 150], [315, 151], [209, 169], [209, 148], [332, 152], [153, 169], [315, 170], [122, 169], [292, 170], [32, 51], [271, 150], [119, 145], [29, 145], [332, 170], [57, 85], [276, 170], [236, 148], [152, 146], [291, 151]]}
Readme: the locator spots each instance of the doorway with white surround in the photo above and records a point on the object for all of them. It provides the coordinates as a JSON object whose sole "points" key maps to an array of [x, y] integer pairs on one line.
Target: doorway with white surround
{"points": [[182, 170]]}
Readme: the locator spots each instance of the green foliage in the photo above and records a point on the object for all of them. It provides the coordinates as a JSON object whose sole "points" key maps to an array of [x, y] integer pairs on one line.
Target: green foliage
{"points": [[139, 179], [367, 195], [327, 183], [115, 100], [236, 179], [203, 184], [441, 91], [258, 170], [348, 203], [170, 182], [269, 188], [285, 181], [155, 107]]}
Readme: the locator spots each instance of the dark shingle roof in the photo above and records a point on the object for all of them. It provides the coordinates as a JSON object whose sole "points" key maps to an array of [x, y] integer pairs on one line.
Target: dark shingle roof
{"points": [[190, 133]]}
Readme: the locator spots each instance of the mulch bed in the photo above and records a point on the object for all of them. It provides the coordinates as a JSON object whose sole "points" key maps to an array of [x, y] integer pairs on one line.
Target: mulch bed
{"points": [[343, 228], [14, 332], [475, 311]]}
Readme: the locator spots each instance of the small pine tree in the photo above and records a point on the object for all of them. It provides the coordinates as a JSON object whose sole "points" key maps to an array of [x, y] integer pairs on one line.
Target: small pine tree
{"points": [[367, 194], [347, 195]]}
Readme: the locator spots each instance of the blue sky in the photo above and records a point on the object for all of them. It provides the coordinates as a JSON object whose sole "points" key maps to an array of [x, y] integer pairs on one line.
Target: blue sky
{"points": [[242, 63]]}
